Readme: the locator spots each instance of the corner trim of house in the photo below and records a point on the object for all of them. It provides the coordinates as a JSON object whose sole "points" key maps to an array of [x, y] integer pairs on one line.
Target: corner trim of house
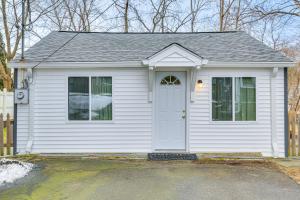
{"points": [[15, 115], [286, 120]]}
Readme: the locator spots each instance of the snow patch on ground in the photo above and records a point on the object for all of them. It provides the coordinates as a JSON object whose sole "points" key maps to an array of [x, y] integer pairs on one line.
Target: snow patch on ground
{"points": [[11, 170]]}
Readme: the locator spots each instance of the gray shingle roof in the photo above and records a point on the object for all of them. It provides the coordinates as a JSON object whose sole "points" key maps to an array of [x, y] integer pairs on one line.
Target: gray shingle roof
{"points": [[113, 47]]}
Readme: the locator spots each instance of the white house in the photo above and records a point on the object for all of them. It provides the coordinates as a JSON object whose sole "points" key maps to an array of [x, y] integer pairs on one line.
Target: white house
{"points": [[152, 92]]}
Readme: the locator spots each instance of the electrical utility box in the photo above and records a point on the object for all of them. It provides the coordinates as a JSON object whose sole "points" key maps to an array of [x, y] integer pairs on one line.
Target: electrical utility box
{"points": [[21, 96]]}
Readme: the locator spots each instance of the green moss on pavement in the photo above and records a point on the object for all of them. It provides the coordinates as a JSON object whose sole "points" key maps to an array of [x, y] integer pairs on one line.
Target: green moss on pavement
{"points": [[62, 178]]}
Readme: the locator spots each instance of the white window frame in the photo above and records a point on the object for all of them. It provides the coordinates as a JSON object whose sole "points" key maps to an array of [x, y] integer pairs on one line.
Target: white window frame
{"points": [[233, 100], [90, 99]]}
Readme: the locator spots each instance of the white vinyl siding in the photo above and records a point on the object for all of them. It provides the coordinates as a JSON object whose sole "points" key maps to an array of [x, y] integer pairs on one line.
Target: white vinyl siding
{"points": [[237, 136], [130, 130], [131, 127]]}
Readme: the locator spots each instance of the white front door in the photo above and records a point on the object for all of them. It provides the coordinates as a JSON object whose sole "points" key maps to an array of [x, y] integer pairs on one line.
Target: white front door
{"points": [[170, 113]]}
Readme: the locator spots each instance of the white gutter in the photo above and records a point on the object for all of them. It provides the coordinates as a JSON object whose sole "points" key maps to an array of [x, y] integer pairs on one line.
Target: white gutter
{"points": [[250, 64], [75, 64], [136, 64]]}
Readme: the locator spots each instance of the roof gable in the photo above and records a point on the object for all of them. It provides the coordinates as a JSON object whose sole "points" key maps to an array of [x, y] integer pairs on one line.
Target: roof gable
{"points": [[174, 55]]}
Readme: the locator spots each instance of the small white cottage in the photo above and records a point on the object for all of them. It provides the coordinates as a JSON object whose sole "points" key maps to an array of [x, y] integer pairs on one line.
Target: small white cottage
{"points": [[151, 92]]}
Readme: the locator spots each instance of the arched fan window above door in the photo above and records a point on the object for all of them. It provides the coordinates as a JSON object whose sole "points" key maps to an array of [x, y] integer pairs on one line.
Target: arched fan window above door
{"points": [[170, 80]]}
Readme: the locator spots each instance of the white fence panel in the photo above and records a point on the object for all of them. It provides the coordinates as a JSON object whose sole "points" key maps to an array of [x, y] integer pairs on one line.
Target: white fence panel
{"points": [[7, 103]]}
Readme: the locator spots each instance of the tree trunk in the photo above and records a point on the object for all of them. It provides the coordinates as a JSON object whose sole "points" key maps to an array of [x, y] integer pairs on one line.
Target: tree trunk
{"points": [[163, 13], [193, 16], [126, 16], [6, 78], [221, 15], [7, 83], [237, 20]]}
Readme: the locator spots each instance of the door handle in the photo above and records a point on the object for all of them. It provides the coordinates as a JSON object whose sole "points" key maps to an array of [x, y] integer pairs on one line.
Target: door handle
{"points": [[183, 114]]}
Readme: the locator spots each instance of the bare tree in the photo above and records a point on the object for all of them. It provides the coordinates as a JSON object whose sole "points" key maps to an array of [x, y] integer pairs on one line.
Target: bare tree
{"points": [[196, 6], [5, 73], [160, 14], [224, 13], [238, 14], [156, 20], [235, 14], [123, 9], [126, 16], [279, 8], [293, 76], [221, 15], [163, 16], [76, 15], [11, 23], [294, 88]]}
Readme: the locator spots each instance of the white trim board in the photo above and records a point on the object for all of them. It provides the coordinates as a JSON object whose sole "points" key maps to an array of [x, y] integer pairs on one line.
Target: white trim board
{"points": [[250, 64], [139, 64], [126, 64]]}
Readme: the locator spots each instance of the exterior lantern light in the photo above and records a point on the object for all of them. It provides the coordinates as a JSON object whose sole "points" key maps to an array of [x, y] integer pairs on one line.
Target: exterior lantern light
{"points": [[199, 85]]}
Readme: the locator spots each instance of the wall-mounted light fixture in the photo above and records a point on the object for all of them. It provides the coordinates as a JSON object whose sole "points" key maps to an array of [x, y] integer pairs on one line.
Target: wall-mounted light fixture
{"points": [[199, 85]]}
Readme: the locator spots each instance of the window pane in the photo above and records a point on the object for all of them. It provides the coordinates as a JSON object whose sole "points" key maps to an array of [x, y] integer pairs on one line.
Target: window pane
{"points": [[78, 98], [222, 99], [101, 98], [170, 80], [245, 99]]}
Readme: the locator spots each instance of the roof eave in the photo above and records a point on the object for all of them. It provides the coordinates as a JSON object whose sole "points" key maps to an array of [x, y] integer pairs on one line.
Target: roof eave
{"points": [[135, 64], [75, 64], [251, 64]]}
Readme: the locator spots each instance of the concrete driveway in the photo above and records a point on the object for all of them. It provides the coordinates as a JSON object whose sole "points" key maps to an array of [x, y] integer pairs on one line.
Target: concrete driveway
{"points": [[73, 179]]}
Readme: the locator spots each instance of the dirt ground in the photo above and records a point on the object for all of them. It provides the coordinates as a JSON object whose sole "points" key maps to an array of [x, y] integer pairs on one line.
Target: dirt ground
{"points": [[290, 167], [78, 178], [294, 172]]}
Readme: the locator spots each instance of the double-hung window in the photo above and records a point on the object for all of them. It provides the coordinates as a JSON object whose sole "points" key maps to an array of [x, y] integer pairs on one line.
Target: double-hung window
{"points": [[90, 98], [234, 99]]}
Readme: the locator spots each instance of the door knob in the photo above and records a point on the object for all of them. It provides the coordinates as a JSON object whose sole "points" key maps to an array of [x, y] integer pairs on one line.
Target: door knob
{"points": [[183, 114]]}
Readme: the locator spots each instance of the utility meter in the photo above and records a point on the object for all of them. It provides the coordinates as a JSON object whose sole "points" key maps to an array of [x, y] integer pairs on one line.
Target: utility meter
{"points": [[21, 96]]}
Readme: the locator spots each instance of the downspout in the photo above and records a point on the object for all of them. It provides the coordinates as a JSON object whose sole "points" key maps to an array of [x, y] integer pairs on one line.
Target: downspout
{"points": [[274, 144], [15, 115], [30, 84]]}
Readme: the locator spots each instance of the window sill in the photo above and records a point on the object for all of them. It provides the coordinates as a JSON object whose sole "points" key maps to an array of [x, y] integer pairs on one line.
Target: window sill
{"points": [[90, 122], [234, 122]]}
